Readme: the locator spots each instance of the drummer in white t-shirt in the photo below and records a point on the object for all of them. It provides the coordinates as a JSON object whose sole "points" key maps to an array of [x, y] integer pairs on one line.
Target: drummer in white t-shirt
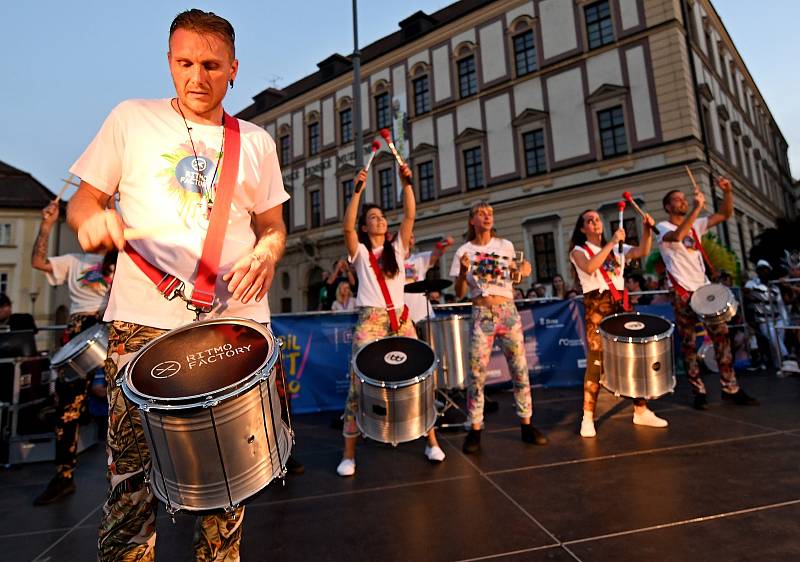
{"points": [[679, 242], [417, 266], [375, 317], [600, 267], [486, 266]]}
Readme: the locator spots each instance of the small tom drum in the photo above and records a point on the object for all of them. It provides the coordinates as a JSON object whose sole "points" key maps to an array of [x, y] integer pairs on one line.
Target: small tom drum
{"points": [[211, 413], [449, 336], [714, 304], [84, 353], [638, 355], [396, 389]]}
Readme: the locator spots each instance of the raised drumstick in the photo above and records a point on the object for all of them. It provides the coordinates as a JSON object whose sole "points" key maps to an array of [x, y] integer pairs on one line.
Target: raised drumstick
{"points": [[64, 187], [387, 136], [621, 207], [376, 146], [691, 177], [629, 198]]}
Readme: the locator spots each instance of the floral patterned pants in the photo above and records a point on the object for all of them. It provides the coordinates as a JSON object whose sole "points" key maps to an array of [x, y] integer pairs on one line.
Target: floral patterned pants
{"points": [[128, 523], [373, 323], [686, 320], [501, 322]]}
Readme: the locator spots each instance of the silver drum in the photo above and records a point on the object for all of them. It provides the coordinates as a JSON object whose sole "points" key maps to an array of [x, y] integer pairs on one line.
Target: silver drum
{"points": [[396, 388], [714, 304], [211, 413], [638, 355], [84, 353], [449, 336]]}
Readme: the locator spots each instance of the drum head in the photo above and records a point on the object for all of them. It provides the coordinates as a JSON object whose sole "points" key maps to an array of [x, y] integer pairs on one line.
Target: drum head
{"points": [[200, 359], [76, 345], [711, 299], [394, 360], [635, 325]]}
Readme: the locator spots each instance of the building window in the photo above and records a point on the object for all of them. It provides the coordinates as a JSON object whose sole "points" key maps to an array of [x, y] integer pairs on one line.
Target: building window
{"points": [[544, 256], [5, 234], [313, 139], [316, 208], [723, 68], [286, 304], [723, 135], [748, 163], [599, 29], [286, 155], [473, 167], [383, 111], [422, 96], [631, 230], [533, 143], [427, 185], [346, 125], [287, 210], [467, 77], [611, 123], [347, 193], [524, 53], [386, 183]]}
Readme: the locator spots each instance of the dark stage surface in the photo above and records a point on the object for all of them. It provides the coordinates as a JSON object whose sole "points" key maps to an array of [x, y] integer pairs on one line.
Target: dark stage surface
{"points": [[723, 484]]}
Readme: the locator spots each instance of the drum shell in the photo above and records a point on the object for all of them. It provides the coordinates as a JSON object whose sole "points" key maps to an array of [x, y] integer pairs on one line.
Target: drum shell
{"points": [[449, 336], [89, 357], [396, 414], [237, 438], [638, 369], [726, 309]]}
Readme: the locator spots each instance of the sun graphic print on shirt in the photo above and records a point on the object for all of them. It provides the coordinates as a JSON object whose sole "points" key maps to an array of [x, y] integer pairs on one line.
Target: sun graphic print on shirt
{"points": [[189, 179], [92, 278]]}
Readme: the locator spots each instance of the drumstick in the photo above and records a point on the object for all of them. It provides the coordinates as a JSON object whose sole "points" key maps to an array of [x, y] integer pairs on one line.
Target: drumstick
{"points": [[629, 198], [67, 183], [621, 207], [376, 146], [387, 136], [691, 177]]}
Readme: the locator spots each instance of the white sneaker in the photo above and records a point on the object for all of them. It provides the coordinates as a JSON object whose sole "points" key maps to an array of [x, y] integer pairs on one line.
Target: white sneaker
{"points": [[587, 428], [649, 419], [434, 454], [790, 366], [346, 468]]}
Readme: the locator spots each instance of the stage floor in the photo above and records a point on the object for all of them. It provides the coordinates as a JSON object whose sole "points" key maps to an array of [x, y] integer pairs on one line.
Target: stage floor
{"points": [[723, 484]]}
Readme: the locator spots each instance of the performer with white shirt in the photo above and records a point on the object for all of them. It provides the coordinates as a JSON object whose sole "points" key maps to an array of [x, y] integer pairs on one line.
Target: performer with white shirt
{"points": [[379, 266], [679, 241], [417, 266], [486, 267], [600, 267]]}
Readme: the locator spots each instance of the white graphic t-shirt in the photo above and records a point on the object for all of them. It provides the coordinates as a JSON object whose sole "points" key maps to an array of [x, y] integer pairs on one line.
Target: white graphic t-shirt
{"points": [[416, 267], [489, 272], [144, 152], [614, 265], [369, 291], [684, 263], [83, 274]]}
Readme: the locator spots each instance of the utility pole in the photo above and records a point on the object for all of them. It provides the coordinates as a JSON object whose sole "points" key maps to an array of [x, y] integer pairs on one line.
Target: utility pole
{"points": [[359, 142]]}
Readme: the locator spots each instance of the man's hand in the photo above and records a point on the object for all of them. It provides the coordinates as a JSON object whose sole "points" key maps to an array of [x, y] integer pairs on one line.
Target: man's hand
{"points": [[101, 232], [699, 200], [250, 277], [724, 184], [50, 213]]}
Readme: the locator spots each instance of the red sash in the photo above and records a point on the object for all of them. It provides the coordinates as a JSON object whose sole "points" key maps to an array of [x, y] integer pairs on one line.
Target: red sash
{"points": [[614, 291], [202, 297], [373, 261]]}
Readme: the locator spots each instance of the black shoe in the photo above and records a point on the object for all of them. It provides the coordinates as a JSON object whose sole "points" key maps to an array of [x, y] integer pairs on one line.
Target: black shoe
{"points": [[472, 444], [740, 398], [700, 402], [532, 435], [294, 466], [59, 487]]}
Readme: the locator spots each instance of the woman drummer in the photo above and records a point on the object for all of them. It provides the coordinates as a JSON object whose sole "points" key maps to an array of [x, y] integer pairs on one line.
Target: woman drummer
{"points": [[376, 317], [600, 268]]}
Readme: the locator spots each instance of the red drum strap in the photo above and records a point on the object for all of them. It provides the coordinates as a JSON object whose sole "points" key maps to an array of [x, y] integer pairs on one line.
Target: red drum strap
{"points": [[373, 261], [626, 305]]}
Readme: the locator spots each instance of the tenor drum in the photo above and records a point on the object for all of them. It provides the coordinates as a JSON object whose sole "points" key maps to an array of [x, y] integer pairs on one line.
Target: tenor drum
{"points": [[211, 412], [638, 355], [714, 304], [396, 389], [449, 336], [84, 353]]}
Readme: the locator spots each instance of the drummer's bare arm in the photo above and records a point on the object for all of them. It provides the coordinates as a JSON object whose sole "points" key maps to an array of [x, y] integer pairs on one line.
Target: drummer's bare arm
{"points": [[590, 265], [439, 250], [461, 280], [251, 275], [643, 249], [39, 254], [726, 210], [409, 207], [351, 214], [98, 227]]}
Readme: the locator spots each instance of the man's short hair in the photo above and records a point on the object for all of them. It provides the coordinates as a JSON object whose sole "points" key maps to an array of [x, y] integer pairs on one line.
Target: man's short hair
{"points": [[205, 22], [4, 300], [665, 201]]}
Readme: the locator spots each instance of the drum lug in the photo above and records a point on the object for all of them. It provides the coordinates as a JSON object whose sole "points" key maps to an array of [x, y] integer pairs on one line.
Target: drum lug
{"points": [[210, 403], [144, 407]]}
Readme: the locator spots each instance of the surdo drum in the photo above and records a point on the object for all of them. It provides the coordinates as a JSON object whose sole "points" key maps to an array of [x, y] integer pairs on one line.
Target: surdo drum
{"points": [[714, 304], [638, 355], [211, 413], [449, 336], [84, 353], [394, 376]]}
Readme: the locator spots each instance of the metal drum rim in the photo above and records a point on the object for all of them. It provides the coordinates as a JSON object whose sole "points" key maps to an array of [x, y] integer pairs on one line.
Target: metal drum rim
{"points": [[632, 339], [395, 385], [444, 318], [200, 400], [79, 349]]}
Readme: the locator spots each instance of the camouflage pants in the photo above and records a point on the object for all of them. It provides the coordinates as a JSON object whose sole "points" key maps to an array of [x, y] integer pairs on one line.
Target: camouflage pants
{"points": [[128, 524], [686, 320], [501, 322], [373, 323], [71, 404], [597, 306]]}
